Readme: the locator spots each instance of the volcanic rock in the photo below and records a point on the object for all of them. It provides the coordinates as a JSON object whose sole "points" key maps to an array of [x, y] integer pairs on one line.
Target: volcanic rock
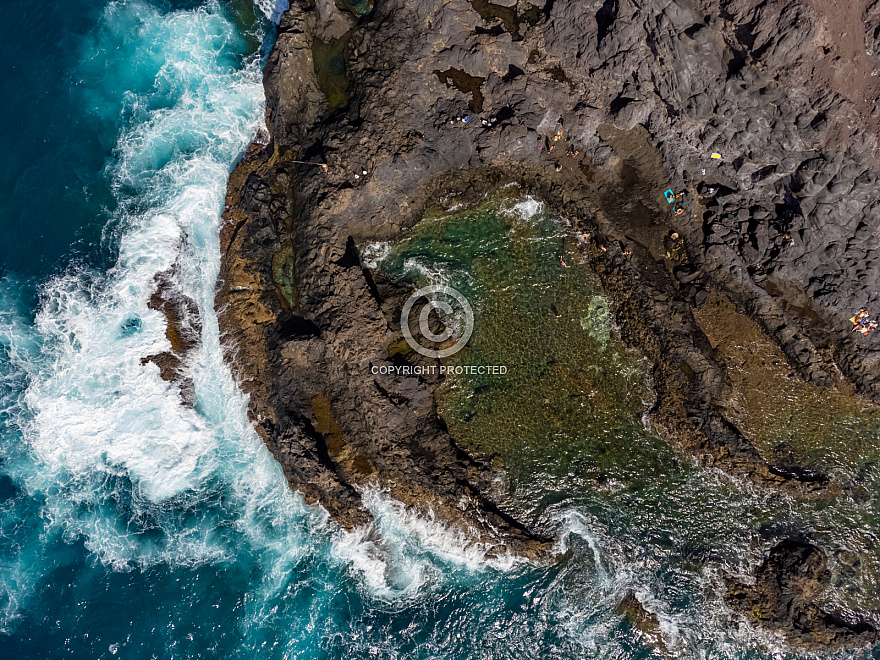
{"points": [[750, 98], [786, 598], [183, 331]]}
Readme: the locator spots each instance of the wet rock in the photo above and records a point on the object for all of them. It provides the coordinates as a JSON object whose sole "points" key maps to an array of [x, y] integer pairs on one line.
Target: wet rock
{"points": [[183, 331], [647, 92], [640, 619], [786, 597], [293, 100], [307, 322]]}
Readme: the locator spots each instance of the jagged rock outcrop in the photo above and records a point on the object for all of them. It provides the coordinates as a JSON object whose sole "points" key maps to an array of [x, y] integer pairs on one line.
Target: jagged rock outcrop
{"points": [[785, 597], [183, 331], [646, 92], [645, 622]]}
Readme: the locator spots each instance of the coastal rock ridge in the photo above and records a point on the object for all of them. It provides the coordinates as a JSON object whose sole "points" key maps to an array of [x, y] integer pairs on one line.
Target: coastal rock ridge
{"points": [[760, 113]]}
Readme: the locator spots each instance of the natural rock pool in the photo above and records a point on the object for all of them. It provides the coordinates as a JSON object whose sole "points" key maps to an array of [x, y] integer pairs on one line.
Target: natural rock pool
{"points": [[567, 421], [137, 523], [571, 402]]}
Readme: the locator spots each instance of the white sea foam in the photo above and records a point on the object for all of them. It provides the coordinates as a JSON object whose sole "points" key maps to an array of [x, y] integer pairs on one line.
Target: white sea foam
{"points": [[424, 532], [372, 254], [96, 406], [574, 523], [405, 551], [526, 208], [423, 271], [702, 623], [95, 413], [272, 8]]}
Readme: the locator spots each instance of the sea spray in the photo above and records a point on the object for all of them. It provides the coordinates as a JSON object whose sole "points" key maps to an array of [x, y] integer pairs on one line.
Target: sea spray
{"points": [[96, 407], [272, 8], [135, 526], [108, 442], [116, 460]]}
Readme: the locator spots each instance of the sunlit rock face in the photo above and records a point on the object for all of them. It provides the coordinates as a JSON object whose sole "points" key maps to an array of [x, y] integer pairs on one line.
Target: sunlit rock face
{"points": [[595, 110]]}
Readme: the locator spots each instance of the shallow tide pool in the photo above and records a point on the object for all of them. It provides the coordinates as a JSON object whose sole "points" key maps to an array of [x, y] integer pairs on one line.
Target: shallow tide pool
{"points": [[134, 527]]}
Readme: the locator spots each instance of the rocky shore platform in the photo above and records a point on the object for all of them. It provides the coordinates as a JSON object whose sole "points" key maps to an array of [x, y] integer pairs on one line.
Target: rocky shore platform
{"points": [[761, 113]]}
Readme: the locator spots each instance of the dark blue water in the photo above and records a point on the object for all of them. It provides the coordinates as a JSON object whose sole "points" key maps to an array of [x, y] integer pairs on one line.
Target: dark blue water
{"points": [[54, 197], [133, 527]]}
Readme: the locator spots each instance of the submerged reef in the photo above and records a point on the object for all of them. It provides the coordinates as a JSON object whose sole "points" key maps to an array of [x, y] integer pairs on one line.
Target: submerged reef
{"points": [[717, 165]]}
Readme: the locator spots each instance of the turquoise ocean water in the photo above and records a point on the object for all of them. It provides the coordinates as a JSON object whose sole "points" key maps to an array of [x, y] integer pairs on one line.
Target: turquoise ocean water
{"points": [[133, 527]]}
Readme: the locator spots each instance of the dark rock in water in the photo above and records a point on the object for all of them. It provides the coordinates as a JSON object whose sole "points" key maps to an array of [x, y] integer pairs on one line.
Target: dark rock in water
{"points": [[786, 598], [642, 620], [183, 330], [740, 96]]}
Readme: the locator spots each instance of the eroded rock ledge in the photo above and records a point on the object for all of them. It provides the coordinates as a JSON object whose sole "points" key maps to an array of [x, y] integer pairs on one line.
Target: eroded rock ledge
{"points": [[786, 597], [183, 331], [646, 92]]}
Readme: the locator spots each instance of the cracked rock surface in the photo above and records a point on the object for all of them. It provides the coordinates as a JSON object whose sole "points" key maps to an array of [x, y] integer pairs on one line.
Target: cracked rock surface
{"points": [[785, 597], [782, 93]]}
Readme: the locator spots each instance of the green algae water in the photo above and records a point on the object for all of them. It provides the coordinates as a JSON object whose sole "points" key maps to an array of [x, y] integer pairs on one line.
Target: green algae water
{"points": [[571, 401], [132, 526], [566, 419]]}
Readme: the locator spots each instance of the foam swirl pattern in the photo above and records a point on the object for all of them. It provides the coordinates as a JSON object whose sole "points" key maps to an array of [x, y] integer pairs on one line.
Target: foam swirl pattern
{"points": [[134, 526]]}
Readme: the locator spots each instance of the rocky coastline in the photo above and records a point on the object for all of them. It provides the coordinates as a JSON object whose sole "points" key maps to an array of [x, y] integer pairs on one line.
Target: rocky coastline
{"points": [[645, 93]]}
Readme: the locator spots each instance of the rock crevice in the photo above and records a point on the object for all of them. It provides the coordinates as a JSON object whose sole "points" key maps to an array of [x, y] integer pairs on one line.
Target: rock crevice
{"points": [[743, 106]]}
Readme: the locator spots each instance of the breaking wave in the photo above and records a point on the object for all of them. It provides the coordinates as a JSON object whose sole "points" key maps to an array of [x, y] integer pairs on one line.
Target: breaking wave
{"points": [[114, 492]]}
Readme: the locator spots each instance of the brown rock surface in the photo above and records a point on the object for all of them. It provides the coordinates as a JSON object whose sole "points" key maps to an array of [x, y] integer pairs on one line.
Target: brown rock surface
{"points": [[786, 598], [183, 330], [645, 92]]}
